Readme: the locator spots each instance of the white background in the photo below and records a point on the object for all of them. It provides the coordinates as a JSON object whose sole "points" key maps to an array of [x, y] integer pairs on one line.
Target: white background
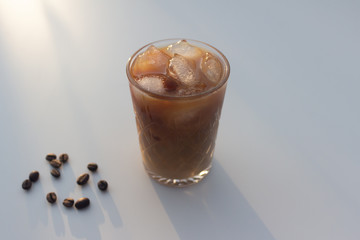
{"points": [[286, 164]]}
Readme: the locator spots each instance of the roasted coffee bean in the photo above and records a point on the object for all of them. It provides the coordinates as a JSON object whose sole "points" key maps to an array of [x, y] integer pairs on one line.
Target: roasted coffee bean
{"points": [[64, 157], [55, 163], [50, 156], [102, 185], [82, 179], [55, 173], [34, 176], [68, 202], [92, 167], [26, 185], [82, 203], [51, 197]]}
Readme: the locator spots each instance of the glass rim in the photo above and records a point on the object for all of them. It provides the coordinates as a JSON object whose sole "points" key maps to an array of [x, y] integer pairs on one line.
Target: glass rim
{"points": [[225, 74]]}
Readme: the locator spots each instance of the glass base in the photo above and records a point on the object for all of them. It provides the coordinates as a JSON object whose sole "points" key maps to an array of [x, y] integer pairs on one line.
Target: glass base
{"points": [[174, 182]]}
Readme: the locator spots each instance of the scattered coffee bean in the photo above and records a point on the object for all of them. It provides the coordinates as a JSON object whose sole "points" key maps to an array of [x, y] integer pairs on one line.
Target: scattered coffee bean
{"points": [[34, 176], [68, 202], [92, 167], [26, 184], [51, 197], [102, 185], [50, 156], [64, 157], [55, 173], [55, 163], [82, 203], [82, 179]]}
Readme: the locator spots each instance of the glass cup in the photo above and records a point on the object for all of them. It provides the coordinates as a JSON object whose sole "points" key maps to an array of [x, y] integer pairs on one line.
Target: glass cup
{"points": [[177, 133]]}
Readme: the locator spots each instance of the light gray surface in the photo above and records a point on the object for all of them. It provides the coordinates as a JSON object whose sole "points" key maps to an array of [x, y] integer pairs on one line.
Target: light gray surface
{"points": [[287, 157]]}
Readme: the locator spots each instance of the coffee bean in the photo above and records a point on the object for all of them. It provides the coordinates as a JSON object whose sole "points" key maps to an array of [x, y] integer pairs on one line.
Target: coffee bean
{"points": [[92, 167], [82, 179], [55, 163], [82, 203], [68, 202], [26, 185], [102, 185], [50, 157], [51, 197], [64, 157], [55, 173], [34, 176]]}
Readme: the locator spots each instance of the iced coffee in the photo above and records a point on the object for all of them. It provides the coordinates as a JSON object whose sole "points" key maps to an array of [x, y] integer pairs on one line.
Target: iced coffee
{"points": [[177, 89]]}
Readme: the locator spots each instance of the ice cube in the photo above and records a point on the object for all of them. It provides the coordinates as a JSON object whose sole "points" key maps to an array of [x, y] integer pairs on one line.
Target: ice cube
{"points": [[152, 83], [183, 70], [211, 67], [185, 49], [187, 118], [152, 61]]}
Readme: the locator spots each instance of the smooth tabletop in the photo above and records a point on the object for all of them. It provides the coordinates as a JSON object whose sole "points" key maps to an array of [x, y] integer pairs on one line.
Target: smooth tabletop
{"points": [[286, 163]]}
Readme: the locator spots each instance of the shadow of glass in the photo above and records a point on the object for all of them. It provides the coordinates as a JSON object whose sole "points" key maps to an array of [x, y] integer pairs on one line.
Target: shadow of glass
{"points": [[212, 209]]}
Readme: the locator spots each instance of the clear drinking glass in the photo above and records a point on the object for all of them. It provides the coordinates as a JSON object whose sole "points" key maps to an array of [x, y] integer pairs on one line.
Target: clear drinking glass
{"points": [[177, 133]]}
